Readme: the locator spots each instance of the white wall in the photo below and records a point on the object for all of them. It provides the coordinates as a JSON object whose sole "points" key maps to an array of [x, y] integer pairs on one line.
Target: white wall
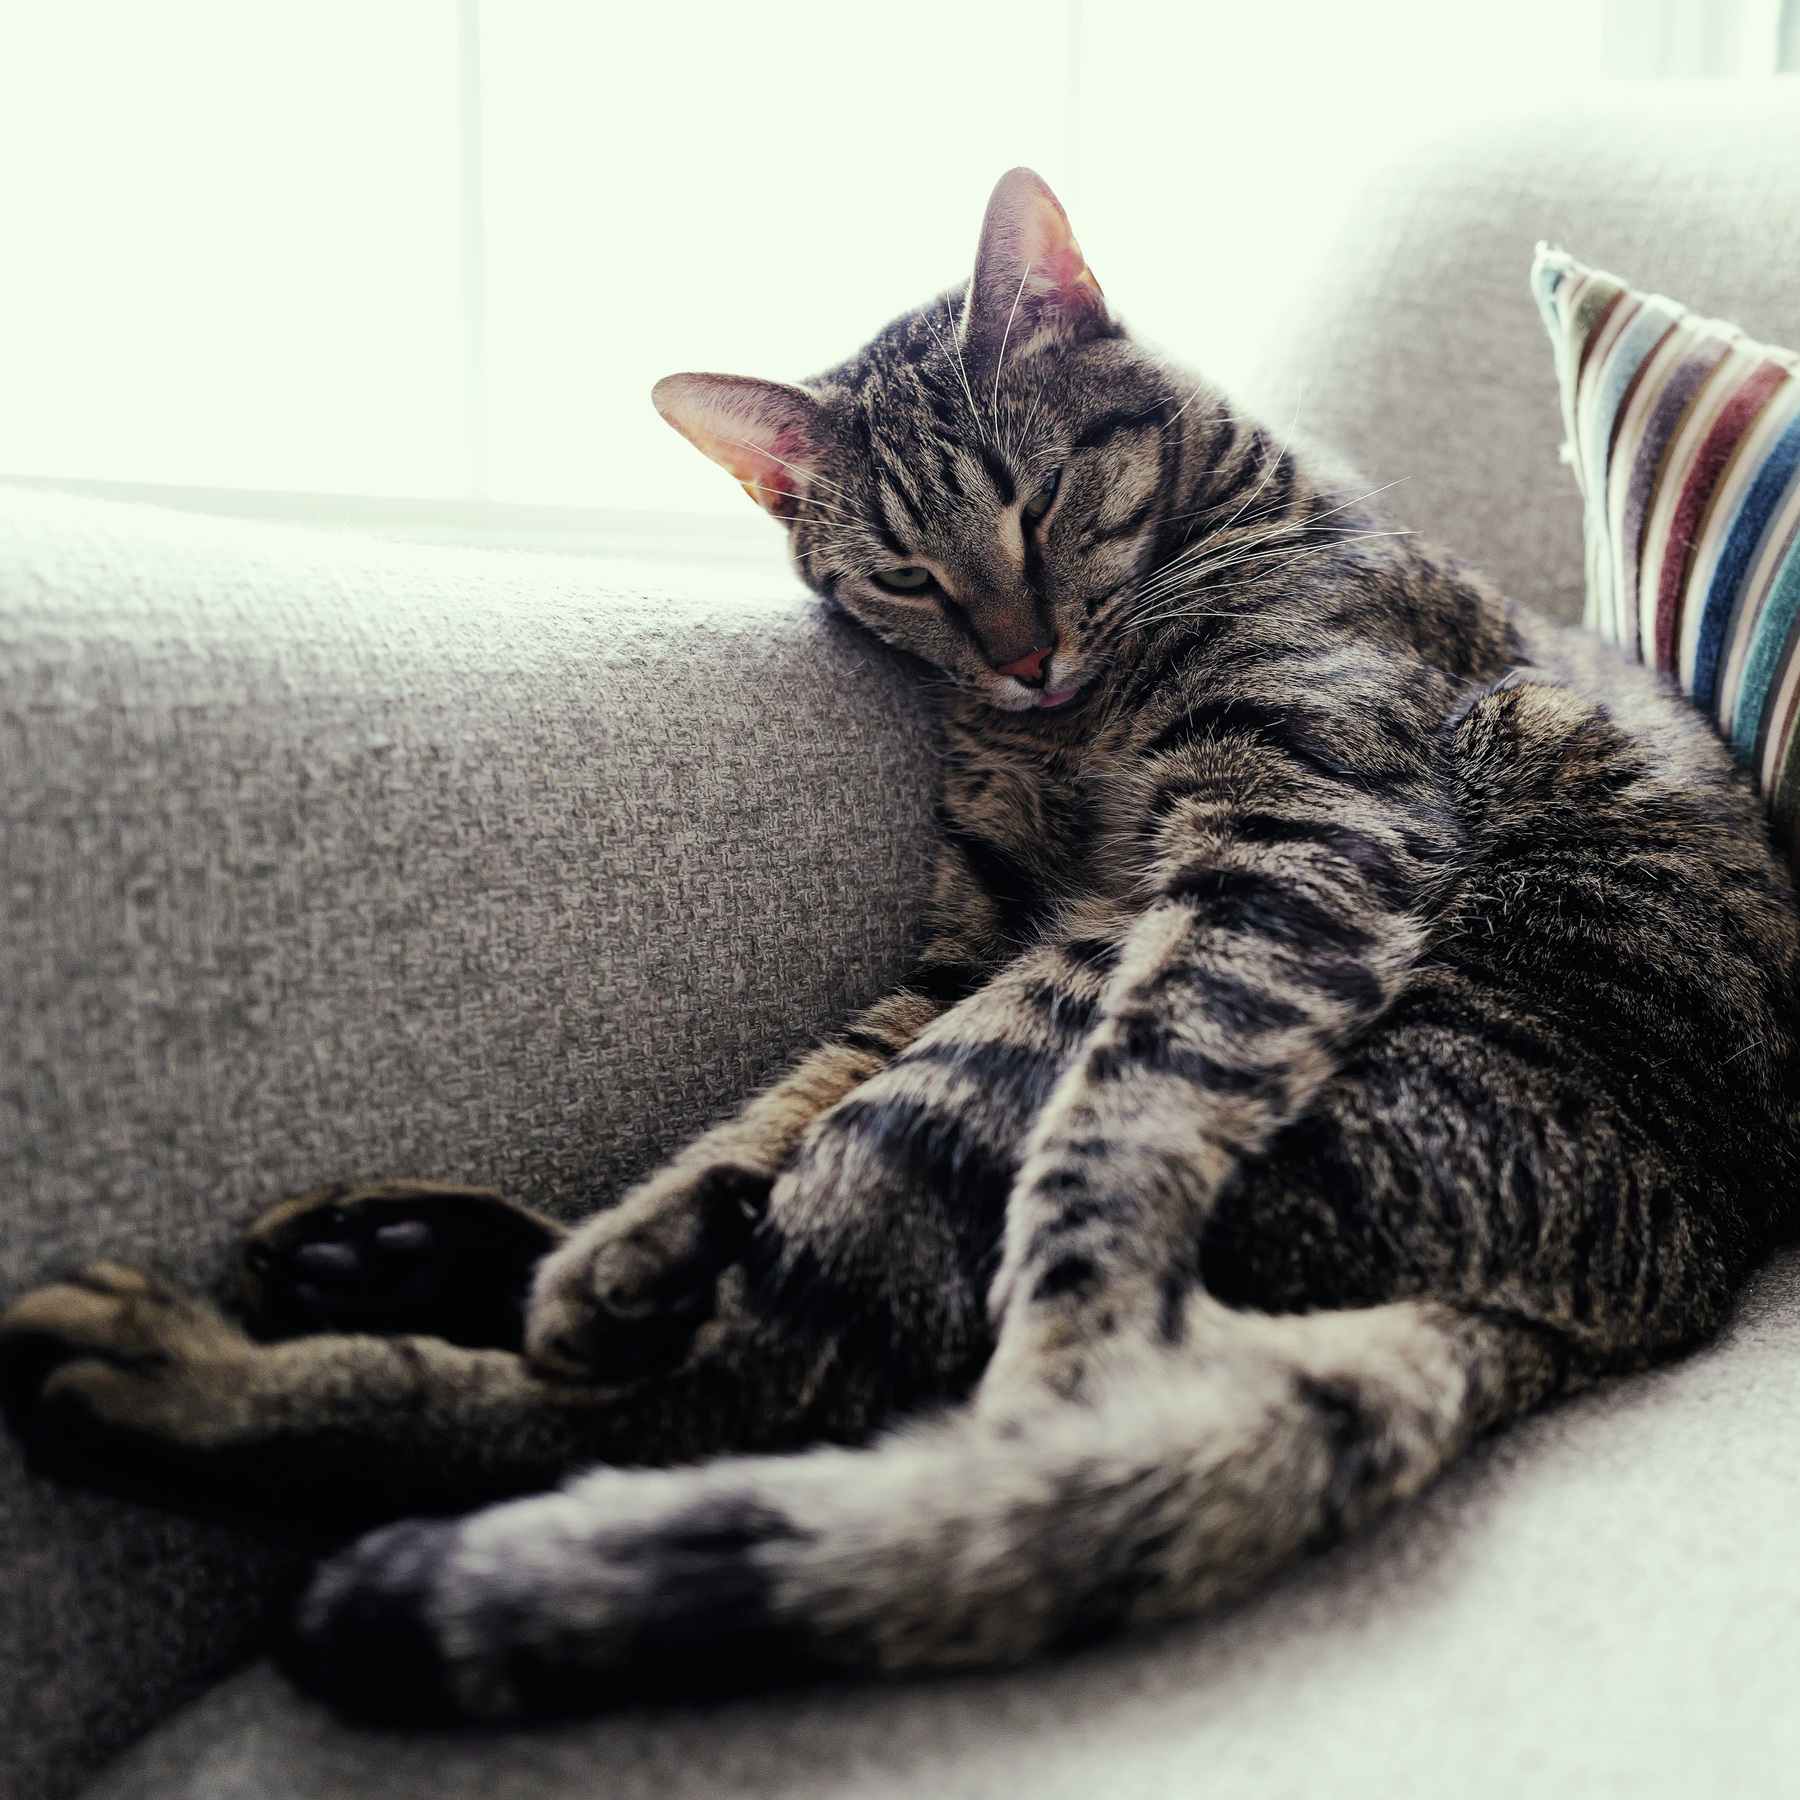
{"points": [[232, 228], [228, 247]]}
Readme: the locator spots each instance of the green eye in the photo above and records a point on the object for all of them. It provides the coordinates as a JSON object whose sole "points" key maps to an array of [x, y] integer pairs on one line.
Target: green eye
{"points": [[1036, 507], [909, 580]]}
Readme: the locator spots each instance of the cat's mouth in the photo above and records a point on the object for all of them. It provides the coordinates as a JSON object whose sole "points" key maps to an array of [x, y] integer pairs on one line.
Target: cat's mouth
{"points": [[1065, 681], [1067, 692], [1016, 697]]}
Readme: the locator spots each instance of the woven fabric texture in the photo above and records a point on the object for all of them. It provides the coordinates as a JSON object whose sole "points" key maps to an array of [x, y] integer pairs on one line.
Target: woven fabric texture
{"points": [[325, 857], [1419, 354], [1684, 435]]}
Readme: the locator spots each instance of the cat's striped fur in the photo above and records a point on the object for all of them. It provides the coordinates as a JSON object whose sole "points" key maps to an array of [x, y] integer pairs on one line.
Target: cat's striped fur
{"points": [[1354, 1013]]}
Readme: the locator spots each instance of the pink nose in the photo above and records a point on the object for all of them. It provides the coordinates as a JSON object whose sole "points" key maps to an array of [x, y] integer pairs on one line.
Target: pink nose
{"points": [[1029, 667]]}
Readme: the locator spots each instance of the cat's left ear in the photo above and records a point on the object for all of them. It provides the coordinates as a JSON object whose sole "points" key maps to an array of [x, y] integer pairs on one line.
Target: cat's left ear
{"points": [[1030, 275], [765, 433]]}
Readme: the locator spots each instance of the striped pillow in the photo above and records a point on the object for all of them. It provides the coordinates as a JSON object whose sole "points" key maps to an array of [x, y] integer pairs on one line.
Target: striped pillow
{"points": [[1685, 437]]}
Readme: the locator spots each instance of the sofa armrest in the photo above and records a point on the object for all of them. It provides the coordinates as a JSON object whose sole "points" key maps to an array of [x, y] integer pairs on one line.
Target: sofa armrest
{"points": [[325, 857]]}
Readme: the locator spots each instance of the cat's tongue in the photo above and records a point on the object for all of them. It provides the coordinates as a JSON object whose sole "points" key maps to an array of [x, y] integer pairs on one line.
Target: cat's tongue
{"points": [[1056, 696]]}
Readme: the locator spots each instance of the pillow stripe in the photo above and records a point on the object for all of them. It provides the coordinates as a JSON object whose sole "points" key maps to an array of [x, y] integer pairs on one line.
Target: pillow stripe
{"points": [[1662, 389], [1785, 686], [1780, 741], [1666, 458], [1786, 806], [1764, 477], [1706, 473], [1769, 649], [1684, 436], [1762, 589], [1643, 331]]}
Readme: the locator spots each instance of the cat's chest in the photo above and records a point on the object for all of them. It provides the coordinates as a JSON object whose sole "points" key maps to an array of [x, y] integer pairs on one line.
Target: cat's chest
{"points": [[1053, 814]]}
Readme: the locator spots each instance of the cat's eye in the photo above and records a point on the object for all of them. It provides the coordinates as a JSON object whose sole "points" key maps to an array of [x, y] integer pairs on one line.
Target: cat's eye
{"points": [[1039, 504], [908, 580]]}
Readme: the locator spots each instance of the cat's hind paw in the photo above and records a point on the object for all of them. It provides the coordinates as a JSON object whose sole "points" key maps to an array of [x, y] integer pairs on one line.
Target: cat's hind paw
{"points": [[106, 1376], [397, 1258]]}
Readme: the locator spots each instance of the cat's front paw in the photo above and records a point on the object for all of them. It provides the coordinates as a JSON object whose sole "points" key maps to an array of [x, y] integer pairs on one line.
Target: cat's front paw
{"points": [[625, 1295], [113, 1379]]}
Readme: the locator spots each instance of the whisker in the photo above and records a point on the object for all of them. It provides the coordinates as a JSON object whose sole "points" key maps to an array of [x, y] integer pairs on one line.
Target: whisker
{"points": [[1275, 462], [1197, 561], [1211, 555], [1137, 620], [1192, 566], [1000, 366], [1345, 507], [1199, 389], [961, 367], [1202, 575]]}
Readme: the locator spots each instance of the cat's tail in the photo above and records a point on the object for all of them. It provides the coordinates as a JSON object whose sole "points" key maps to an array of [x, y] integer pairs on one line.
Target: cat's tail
{"points": [[966, 1542]]}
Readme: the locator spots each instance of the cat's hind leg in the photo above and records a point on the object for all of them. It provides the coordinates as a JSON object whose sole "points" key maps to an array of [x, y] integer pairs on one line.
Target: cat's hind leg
{"points": [[395, 1258], [113, 1379], [858, 1292]]}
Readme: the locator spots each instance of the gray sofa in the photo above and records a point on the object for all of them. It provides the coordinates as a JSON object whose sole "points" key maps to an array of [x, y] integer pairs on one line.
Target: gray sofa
{"points": [[329, 855]]}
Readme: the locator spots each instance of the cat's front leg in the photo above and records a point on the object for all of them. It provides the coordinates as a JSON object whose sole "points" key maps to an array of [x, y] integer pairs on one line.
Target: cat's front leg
{"points": [[624, 1296], [1232, 1001]]}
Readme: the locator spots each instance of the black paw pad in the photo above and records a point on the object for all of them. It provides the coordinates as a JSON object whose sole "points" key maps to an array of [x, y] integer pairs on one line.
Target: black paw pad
{"points": [[454, 1263]]}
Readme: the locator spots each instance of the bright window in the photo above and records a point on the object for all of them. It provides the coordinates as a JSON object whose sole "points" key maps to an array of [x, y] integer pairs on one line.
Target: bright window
{"points": [[442, 247]]}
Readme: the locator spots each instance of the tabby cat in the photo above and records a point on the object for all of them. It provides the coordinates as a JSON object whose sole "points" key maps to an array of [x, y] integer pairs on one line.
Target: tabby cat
{"points": [[1354, 1012]]}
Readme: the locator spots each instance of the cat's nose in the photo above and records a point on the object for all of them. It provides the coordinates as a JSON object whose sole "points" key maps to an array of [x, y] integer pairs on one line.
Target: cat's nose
{"points": [[1030, 667]]}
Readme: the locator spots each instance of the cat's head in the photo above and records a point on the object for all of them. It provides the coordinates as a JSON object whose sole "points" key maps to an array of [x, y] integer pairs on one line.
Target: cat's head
{"points": [[980, 484]]}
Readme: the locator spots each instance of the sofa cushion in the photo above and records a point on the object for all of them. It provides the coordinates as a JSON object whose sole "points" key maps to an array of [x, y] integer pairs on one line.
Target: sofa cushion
{"points": [[327, 856]]}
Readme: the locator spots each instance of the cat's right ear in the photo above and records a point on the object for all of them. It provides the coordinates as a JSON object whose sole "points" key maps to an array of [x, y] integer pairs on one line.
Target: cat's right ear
{"points": [[766, 434]]}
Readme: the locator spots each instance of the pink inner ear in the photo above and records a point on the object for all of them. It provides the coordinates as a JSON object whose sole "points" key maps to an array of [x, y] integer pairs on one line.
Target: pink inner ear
{"points": [[741, 425], [1066, 268], [766, 476], [1045, 246], [1056, 258]]}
